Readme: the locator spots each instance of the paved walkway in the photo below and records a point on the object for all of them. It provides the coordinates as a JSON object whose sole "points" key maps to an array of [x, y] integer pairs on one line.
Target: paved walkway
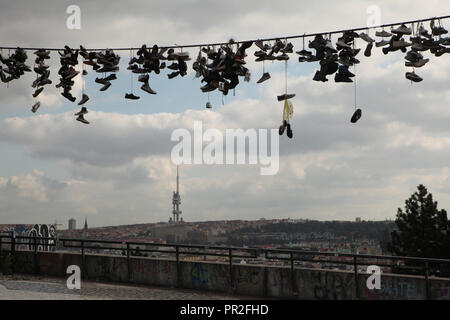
{"points": [[40, 288]]}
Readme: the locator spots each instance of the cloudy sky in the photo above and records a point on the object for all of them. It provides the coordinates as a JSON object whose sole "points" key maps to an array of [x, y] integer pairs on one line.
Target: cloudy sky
{"points": [[118, 169]]}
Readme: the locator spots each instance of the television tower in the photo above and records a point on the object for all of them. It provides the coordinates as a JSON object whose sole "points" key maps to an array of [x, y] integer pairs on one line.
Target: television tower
{"points": [[176, 201]]}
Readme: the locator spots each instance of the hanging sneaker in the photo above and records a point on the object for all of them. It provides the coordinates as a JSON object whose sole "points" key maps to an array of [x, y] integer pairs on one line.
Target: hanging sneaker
{"points": [[356, 116], [264, 77], [431, 44], [101, 80], [341, 43], [147, 88], [368, 50], [40, 69], [413, 76], [438, 30], [144, 78], [173, 66], [108, 69], [68, 96], [259, 53], [400, 44], [44, 81], [289, 131], [304, 53], [282, 128], [90, 62], [112, 76], [285, 96], [37, 92], [173, 74], [84, 99], [83, 111], [320, 76], [418, 47], [424, 32], [82, 119], [383, 34], [445, 41], [282, 57], [43, 54], [288, 48], [260, 45], [386, 50], [366, 37], [329, 66], [131, 96], [413, 56], [417, 64], [105, 86], [381, 43], [343, 70], [72, 73], [329, 47], [402, 29], [439, 52], [338, 77], [3, 76], [211, 86], [35, 107]]}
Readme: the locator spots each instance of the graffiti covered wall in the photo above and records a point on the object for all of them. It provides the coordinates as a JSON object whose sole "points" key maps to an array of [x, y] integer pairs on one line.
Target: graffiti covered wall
{"points": [[30, 230]]}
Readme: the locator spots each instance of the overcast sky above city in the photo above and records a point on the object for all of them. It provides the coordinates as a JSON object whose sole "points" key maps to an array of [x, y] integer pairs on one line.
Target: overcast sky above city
{"points": [[118, 170]]}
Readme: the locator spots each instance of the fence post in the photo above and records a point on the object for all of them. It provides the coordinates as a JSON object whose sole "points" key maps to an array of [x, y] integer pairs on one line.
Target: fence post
{"points": [[355, 267], [177, 257], [128, 261], [13, 244], [36, 265], [230, 260], [427, 281], [83, 261], [13, 251], [294, 291]]}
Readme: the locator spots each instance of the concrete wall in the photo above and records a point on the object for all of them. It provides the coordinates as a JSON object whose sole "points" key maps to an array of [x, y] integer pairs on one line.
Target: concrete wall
{"points": [[249, 280]]}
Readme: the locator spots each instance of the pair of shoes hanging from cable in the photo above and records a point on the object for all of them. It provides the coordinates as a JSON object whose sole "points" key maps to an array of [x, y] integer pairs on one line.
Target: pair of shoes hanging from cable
{"points": [[42, 75], [288, 111], [83, 100]]}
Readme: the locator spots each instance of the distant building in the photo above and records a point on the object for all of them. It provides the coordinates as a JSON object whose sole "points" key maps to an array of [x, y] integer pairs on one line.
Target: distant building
{"points": [[176, 201], [72, 224], [85, 224], [358, 219]]}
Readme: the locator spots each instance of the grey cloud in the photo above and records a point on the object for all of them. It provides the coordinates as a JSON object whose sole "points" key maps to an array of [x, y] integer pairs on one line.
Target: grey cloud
{"points": [[121, 162]]}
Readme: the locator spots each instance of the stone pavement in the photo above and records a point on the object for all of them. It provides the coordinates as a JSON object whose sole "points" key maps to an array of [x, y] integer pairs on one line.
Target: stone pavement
{"points": [[43, 288]]}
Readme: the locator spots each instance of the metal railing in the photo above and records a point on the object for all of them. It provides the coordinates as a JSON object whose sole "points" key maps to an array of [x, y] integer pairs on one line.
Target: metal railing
{"points": [[412, 264]]}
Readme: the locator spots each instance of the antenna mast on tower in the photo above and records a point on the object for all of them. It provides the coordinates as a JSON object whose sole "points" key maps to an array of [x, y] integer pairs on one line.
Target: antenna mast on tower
{"points": [[176, 201]]}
